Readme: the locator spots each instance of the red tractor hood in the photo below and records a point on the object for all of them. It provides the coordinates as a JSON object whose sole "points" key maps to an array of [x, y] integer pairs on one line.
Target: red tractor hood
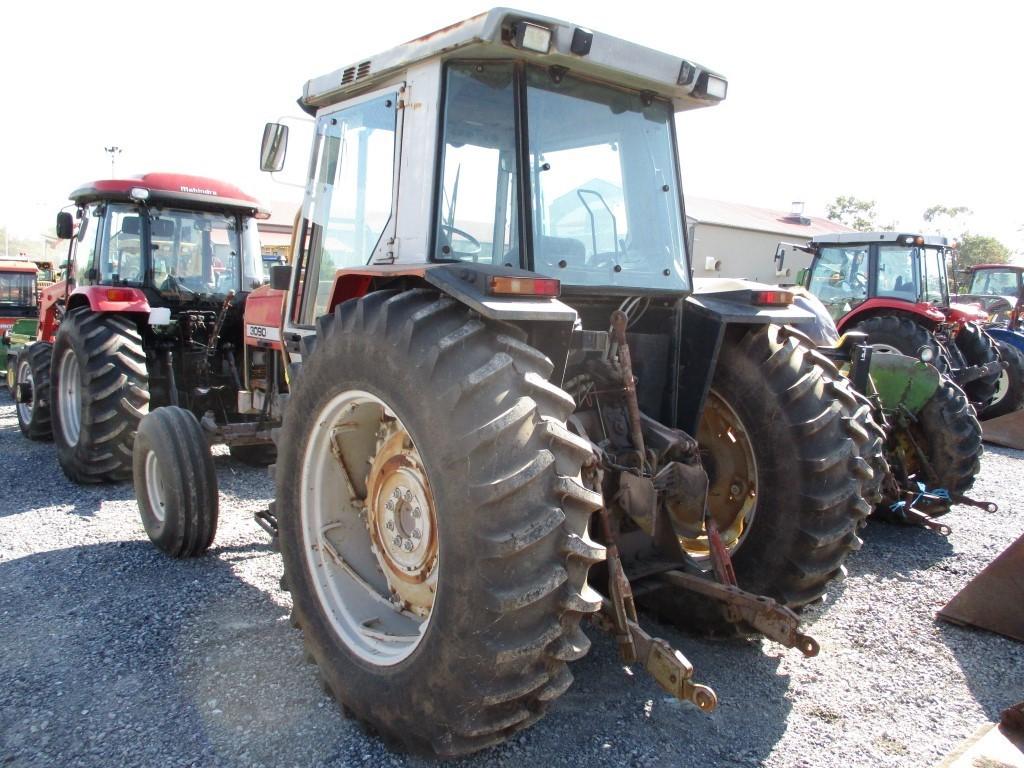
{"points": [[966, 313]]}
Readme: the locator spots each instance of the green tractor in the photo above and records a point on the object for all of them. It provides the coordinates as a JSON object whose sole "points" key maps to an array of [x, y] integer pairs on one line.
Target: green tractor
{"points": [[932, 441]]}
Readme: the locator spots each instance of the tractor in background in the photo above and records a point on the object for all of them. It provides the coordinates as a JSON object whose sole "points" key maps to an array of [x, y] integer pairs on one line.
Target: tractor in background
{"points": [[508, 411], [19, 302], [892, 287], [999, 290], [150, 314]]}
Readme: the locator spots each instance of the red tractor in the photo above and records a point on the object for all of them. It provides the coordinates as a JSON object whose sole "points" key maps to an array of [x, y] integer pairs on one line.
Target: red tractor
{"points": [[892, 287], [150, 314]]}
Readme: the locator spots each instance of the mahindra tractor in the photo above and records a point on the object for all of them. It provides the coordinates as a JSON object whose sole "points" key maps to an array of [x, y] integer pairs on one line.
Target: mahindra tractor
{"points": [[19, 303], [892, 287], [150, 314], [508, 412]]}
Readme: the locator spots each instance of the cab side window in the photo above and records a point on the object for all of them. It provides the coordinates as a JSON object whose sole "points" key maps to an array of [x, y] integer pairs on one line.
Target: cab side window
{"points": [[840, 278]]}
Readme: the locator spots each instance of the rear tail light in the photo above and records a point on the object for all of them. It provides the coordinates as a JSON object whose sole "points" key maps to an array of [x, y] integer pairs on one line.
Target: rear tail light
{"points": [[120, 294], [771, 298], [524, 286]]}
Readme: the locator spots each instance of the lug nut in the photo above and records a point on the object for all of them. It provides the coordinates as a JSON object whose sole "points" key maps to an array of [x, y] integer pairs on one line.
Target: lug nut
{"points": [[389, 525], [408, 545], [416, 533], [416, 512], [397, 541], [735, 489]]}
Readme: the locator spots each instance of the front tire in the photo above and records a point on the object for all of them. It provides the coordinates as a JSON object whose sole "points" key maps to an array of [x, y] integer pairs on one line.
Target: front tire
{"points": [[32, 391], [101, 391], [1009, 394], [408, 389], [175, 482]]}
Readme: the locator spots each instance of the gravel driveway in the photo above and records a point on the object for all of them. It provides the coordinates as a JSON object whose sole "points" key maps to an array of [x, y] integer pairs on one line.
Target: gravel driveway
{"points": [[111, 654]]}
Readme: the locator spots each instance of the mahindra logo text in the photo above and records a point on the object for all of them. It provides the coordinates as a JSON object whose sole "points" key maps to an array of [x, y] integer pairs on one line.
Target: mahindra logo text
{"points": [[198, 191]]}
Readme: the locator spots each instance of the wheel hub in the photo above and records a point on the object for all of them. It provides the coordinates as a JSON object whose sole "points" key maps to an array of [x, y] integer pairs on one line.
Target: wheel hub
{"points": [[732, 474], [401, 521]]}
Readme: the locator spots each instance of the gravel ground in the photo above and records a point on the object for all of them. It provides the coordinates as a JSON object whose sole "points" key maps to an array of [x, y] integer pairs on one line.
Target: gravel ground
{"points": [[113, 655]]}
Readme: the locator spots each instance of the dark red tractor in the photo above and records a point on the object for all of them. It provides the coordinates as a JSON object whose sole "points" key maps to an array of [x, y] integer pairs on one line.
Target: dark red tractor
{"points": [[151, 314], [893, 288]]}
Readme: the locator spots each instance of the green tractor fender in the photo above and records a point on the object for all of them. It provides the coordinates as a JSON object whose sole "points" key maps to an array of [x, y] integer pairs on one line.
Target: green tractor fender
{"points": [[902, 382]]}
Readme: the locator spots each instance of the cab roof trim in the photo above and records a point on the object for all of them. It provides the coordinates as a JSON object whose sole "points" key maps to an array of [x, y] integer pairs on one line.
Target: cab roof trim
{"points": [[172, 188], [487, 36], [866, 238]]}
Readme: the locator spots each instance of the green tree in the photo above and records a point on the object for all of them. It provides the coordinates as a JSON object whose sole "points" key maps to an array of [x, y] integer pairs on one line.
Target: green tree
{"points": [[852, 212], [980, 249], [945, 211]]}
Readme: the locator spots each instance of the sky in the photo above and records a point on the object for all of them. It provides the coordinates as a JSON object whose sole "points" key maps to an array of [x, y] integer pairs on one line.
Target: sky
{"points": [[910, 104]]}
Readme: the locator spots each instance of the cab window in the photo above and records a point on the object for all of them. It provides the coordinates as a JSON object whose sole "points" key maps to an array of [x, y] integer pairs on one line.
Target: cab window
{"points": [[353, 193], [898, 273], [839, 278]]}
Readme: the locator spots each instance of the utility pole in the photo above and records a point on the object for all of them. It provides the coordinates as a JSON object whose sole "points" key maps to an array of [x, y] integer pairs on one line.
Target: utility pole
{"points": [[114, 152]]}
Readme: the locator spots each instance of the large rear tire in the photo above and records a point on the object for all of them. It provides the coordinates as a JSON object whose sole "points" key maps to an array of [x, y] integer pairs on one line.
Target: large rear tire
{"points": [[978, 348], [1009, 394], [32, 391], [948, 432], [175, 482], [409, 390], [100, 389], [813, 443], [897, 333]]}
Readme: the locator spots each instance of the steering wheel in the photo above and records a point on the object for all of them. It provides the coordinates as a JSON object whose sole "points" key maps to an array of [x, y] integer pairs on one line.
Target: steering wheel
{"points": [[474, 244], [174, 284]]}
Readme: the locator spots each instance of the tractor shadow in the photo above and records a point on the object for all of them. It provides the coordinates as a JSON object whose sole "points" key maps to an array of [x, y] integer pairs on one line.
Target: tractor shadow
{"points": [[891, 548], [116, 649]]}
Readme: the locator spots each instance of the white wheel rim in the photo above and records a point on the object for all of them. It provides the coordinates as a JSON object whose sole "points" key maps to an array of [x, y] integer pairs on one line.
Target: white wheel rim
{"points": [[69, 398], [24, 376], [1002, 387], [155, 490], [369, 527]]}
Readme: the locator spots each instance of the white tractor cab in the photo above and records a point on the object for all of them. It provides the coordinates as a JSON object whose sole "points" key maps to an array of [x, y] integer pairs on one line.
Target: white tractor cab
{"points": [[500, 378]]}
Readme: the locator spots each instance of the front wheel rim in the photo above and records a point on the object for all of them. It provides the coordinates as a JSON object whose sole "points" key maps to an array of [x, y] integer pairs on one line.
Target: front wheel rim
{"points": [[24, 376], [155, 489], [69, 397], [369, 528]]}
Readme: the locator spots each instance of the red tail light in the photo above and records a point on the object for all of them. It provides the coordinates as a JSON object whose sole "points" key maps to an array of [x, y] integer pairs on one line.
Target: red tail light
{"points": [[120, 294], [771, 298]]}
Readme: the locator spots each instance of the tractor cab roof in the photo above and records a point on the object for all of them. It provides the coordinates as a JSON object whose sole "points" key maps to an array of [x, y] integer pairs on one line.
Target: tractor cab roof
{"points": [[866, 238], [172, 189], [10, 265], [504, 33], [999, 267]]}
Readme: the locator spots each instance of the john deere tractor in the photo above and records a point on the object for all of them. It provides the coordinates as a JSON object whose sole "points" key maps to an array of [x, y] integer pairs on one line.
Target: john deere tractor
{"points": [[150, 314], [509, 413]]}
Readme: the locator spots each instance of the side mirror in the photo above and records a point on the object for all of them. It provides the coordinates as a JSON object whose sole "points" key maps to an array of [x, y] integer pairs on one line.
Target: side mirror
{"points": [[280, 276], [274, 147], [780, 257], [65, 225]]}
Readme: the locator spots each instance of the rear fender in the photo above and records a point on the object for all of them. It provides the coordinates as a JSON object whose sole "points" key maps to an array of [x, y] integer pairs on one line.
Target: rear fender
{"points": [[919, 312], [1013, 338], [903, 381]]}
